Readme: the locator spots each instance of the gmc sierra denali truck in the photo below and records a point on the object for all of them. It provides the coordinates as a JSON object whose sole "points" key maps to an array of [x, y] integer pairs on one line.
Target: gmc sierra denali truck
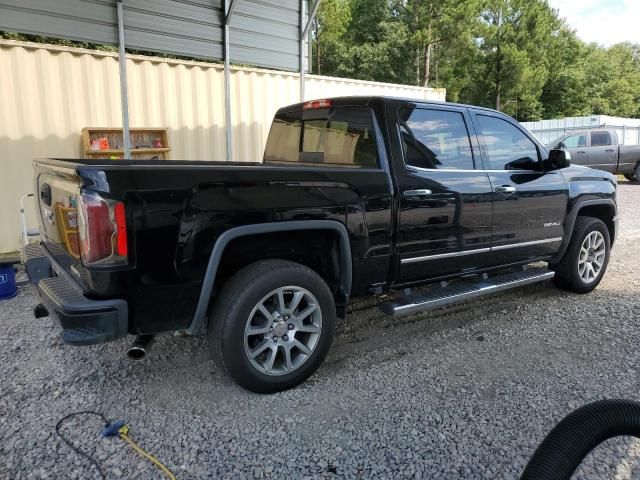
{"points": [[601, 149], [355, 196]]}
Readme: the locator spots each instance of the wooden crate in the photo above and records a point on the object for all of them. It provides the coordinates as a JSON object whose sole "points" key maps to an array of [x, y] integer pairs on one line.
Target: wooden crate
{"points": [[143, 142]]}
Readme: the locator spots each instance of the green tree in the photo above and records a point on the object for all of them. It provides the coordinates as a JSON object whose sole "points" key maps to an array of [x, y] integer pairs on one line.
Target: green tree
{"points": [[514, 55], [437, 24], [614, 80], [565, 92], [329, 29], [514, 44]]}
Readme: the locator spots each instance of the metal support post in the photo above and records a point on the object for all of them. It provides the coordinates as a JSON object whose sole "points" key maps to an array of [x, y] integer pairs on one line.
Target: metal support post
{"points": [[229, 6], [124, 96], [304, 31]]}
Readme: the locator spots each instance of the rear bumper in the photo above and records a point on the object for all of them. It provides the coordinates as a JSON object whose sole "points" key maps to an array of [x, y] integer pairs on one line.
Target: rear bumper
{"points": [[84, 321]]}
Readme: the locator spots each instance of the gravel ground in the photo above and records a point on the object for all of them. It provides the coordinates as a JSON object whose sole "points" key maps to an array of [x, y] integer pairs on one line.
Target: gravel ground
{"points": [[467, 392]]}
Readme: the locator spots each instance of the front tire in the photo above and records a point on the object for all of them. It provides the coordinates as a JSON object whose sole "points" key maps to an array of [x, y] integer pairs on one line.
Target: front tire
{"points": [[587, 256], [272, 325]]}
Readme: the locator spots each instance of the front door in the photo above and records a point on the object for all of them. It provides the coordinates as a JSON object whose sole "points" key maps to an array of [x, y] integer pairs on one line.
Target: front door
{"points": [[529, 205], [576, 145], [444, 214], [602, 154]]}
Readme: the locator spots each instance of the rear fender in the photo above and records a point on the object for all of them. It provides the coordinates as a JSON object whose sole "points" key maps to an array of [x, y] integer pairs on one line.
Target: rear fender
{"points": [[198, 322]]}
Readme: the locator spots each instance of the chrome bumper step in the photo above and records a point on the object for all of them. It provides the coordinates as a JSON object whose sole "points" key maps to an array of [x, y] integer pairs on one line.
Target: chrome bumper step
{"points": [[440, 297]]}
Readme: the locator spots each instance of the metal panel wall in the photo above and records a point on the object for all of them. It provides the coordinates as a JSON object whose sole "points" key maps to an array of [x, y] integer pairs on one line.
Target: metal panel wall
{"points": [[91, 21], [49, 93], [263, 32]]}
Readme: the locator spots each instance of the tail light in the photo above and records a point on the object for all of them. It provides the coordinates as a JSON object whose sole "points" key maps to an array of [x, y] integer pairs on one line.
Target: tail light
{"points": [[315, 104], [102, 230]]}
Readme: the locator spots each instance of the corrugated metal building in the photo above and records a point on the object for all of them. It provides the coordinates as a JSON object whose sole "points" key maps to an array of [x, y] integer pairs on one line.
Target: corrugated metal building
{"points": [[263, 32], [628, 129], [49, 93]]}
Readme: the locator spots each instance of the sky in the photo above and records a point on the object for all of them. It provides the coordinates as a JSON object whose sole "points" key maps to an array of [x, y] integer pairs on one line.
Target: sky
{"points": [[603, 21]]}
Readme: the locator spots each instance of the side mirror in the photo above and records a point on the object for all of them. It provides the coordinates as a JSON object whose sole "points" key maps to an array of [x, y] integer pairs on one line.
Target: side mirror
{"points": [[557, 159]]}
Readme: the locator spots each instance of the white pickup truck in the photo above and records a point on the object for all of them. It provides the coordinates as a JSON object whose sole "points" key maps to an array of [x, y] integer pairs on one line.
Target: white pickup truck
{"points": [[601, 149]]}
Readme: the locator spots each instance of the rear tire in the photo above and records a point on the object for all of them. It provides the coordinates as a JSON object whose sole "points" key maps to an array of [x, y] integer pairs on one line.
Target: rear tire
{"points": [[264, 331], [635, 176], [587, 256]]}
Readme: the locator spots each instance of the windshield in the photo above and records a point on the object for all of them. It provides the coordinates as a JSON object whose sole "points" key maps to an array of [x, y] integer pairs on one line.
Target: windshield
{"points": [[556, 142]]}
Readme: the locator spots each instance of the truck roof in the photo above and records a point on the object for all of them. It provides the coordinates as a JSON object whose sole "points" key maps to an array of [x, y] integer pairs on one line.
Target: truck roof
{"points": [[367, 99]]}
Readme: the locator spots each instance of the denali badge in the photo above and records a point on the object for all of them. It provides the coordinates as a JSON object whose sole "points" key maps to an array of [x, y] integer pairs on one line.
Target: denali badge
{"points": [[48, 216], [552, 224]]}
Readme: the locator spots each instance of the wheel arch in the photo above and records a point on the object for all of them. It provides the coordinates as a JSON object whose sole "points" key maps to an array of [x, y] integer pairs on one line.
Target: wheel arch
{"points": [[223, 241], [604, 209]]}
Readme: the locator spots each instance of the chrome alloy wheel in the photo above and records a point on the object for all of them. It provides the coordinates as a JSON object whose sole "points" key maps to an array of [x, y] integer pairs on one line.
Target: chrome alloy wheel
{"points": [[591, 257], [283, 330]]}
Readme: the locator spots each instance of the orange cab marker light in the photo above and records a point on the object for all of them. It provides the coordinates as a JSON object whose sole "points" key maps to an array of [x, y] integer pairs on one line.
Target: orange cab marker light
{"points": [[313, 104], [121, 225]]}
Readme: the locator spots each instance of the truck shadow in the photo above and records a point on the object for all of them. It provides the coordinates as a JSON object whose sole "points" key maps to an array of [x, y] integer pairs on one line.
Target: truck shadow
{"points": [[178, 370]]}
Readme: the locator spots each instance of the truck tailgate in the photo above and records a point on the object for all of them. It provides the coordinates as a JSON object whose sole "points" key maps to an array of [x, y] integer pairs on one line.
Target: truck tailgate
{"points": [[56, 188]]}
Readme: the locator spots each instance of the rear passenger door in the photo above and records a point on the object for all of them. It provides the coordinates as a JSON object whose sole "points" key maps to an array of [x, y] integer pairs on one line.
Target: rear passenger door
{"points": [[444, 205], [529, 204], [603, 155]]}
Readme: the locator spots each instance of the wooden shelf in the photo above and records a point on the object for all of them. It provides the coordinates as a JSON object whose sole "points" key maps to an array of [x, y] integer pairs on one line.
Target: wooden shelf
{"points": [[114, 137], [119, 151]]}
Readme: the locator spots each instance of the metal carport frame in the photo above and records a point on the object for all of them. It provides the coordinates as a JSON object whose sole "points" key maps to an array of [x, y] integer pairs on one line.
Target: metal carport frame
{"points": [[267, 33], [304, 31], [228, 10]]}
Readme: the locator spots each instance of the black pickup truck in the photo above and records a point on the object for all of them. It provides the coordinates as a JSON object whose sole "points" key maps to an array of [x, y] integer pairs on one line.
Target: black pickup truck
{"points": [[355, 196]]}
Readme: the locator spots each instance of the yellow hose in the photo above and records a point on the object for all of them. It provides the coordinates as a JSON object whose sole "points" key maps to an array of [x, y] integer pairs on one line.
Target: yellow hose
{"points": [[124, 435]]}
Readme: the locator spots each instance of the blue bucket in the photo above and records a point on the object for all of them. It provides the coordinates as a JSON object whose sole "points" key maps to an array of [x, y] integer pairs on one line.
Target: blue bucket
{"points": [[8, 288]]}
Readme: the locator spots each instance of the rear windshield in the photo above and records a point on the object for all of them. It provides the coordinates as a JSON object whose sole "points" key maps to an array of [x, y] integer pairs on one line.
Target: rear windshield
{"points": [[340, 136]]}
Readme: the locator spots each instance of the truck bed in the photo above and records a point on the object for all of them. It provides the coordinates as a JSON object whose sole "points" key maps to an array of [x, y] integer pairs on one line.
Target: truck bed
{"points": [[177, 209]]}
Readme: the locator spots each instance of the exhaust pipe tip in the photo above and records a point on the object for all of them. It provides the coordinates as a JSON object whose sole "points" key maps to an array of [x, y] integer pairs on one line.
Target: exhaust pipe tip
{"points": [[140, 347], [40, 311], [136, 353]]}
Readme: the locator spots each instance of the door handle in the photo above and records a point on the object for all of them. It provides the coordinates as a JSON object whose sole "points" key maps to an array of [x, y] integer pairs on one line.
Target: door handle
{"points": [[505, 189], [581, 151], [609, 150], [425, 192]]}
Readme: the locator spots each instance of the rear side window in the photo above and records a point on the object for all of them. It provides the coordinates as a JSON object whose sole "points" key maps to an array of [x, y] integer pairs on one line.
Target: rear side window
{"points": [[435, 139], [575, 141], [340, 136], [505, 146], [600, 139]]}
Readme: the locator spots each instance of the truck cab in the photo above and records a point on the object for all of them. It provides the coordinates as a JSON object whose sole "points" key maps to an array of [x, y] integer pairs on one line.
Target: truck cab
{"points": [[601, 149]]}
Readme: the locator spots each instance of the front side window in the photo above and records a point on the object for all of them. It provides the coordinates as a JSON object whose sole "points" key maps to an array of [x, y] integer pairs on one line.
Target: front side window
{"points": [[505, 146], [600, 139], [340, 136], [435, 139], [575, 141]]}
